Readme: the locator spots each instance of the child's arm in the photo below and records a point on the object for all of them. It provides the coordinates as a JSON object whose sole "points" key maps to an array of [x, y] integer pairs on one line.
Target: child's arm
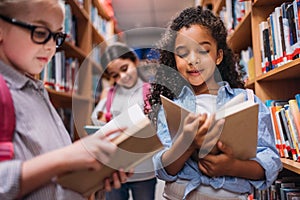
{"points": [[86, 153], [225, 164], [100, 108]]}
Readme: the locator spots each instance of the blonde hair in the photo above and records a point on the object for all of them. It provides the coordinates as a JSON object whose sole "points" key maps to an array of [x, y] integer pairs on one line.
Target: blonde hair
{"points": [[15, 8]]}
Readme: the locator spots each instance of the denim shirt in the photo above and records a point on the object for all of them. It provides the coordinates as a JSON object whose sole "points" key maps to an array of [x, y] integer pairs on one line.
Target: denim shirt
{"points": [[267, 154]]}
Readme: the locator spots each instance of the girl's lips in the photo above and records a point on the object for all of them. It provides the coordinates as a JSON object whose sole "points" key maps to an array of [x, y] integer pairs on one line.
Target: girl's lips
{"points": [[195, 72], [43, 59]]}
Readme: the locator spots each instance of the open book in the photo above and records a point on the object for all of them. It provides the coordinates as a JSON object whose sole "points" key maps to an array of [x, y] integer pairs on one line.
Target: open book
{"points": [[135, 144], [240, 128]]}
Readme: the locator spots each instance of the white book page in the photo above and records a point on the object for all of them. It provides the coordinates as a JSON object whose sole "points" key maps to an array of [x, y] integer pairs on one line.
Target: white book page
{"points": [[131, 117]]}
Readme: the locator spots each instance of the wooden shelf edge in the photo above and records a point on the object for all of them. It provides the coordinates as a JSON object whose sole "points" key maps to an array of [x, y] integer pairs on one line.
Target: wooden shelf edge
{"points": [[69, 47], [241, 31], [101, 10], [96, 35], [258, 3], [276, 73], [66, 96], [218, 6], [250, 83], [79, 12], [291, 165]]}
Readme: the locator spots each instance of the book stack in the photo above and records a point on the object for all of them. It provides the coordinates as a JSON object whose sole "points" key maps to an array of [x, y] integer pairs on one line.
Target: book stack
{"points": [[280, 36], [286, 126]]}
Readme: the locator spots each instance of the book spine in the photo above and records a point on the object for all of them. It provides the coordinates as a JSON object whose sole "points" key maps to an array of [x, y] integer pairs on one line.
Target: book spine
{"points": [[287, 134], [278, 142], [293, 130], [296, 114], [283, 136]]}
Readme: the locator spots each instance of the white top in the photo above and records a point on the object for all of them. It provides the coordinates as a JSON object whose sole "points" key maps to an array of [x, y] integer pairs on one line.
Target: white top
{"points": [[206, 103], [122, 100]]}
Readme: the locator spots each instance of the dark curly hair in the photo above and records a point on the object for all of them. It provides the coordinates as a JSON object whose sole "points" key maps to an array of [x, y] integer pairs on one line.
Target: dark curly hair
{"points": [[167, 73]]}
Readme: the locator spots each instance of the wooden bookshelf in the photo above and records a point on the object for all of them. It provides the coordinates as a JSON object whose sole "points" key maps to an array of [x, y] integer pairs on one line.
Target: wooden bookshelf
{"points": [[241, 31], [81, 102], [218, 4], [291, 165], [280, 83]]}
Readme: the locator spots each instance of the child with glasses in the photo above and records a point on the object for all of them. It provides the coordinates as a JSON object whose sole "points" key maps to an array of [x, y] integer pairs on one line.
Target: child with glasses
{"points": [[30, 32]]}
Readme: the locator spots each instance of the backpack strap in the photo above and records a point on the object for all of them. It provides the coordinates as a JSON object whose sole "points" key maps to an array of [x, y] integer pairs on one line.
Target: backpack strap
{"points": [[7, 122], [146, 92], [110, 96]]}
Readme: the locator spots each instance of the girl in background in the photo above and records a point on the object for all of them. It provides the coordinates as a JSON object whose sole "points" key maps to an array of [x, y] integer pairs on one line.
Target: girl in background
{"points": [[121, 64]]}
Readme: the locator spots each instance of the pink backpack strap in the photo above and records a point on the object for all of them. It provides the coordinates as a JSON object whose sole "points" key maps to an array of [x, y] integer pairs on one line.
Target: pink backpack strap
{"points": [[7, 122], [110, 96], [146, 92]]}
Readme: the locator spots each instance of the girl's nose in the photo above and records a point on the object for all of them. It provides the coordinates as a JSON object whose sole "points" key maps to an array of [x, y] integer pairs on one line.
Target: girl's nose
{"points": [[193, 59]]}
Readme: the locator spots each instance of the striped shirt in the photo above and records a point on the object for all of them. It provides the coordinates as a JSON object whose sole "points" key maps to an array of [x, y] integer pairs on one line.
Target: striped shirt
{"points": [[39, 129]]}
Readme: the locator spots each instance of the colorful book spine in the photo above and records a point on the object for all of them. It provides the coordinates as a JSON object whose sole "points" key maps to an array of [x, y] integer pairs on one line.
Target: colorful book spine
{"points": [[296, 114], [297, 97]]}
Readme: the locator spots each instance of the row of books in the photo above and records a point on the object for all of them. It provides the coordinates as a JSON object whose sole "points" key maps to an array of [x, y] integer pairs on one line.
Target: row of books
{"points": [[285, 116], [280, 36], [70, 25], [60, 73], [104, 27], [284, 188], [234, 12], [247, 64]]}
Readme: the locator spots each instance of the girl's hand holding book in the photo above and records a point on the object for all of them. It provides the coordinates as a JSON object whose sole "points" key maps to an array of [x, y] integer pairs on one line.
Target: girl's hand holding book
{"points": [[218, 165]]}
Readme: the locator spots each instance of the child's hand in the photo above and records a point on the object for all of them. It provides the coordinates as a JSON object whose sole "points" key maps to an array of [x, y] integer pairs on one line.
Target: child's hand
{"points": [[117, 179], [89, 152], [191, 135], [101, 116], [217, 165]]}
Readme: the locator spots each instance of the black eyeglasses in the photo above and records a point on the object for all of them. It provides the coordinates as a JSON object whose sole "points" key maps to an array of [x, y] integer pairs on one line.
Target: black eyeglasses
{"points": [[39, 34]]}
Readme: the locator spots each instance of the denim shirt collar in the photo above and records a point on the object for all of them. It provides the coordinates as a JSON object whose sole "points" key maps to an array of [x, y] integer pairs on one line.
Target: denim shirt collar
{"points": [[188, 97]]}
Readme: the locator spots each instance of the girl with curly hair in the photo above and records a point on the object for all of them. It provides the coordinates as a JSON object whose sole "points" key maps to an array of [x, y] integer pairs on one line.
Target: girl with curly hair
{"points": [[199, 72]]}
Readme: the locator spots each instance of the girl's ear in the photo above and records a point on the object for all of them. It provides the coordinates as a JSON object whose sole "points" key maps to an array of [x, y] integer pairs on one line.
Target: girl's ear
{"points": [[219, 56]]}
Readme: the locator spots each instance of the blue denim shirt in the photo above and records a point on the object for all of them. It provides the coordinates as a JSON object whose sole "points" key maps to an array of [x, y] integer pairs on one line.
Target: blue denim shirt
{"points": [[267, 155]]}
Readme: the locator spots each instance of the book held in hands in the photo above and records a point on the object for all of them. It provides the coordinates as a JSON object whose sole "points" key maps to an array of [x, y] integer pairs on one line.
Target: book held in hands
{"points": [[136, 143], [240, 128]]}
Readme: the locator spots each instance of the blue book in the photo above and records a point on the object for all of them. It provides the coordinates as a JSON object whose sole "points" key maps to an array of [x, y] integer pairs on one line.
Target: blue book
{"points": [[297, 97], [90, 129]]}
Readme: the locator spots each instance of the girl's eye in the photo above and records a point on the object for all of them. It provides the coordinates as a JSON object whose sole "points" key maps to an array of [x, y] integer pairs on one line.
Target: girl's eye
{"points": [[182, 54], [203, 51], [114, 76], [124, 68]]}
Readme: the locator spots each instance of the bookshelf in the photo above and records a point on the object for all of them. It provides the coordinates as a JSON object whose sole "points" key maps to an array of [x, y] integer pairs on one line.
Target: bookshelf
{"points": [[82, 100], [280, 83]]}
